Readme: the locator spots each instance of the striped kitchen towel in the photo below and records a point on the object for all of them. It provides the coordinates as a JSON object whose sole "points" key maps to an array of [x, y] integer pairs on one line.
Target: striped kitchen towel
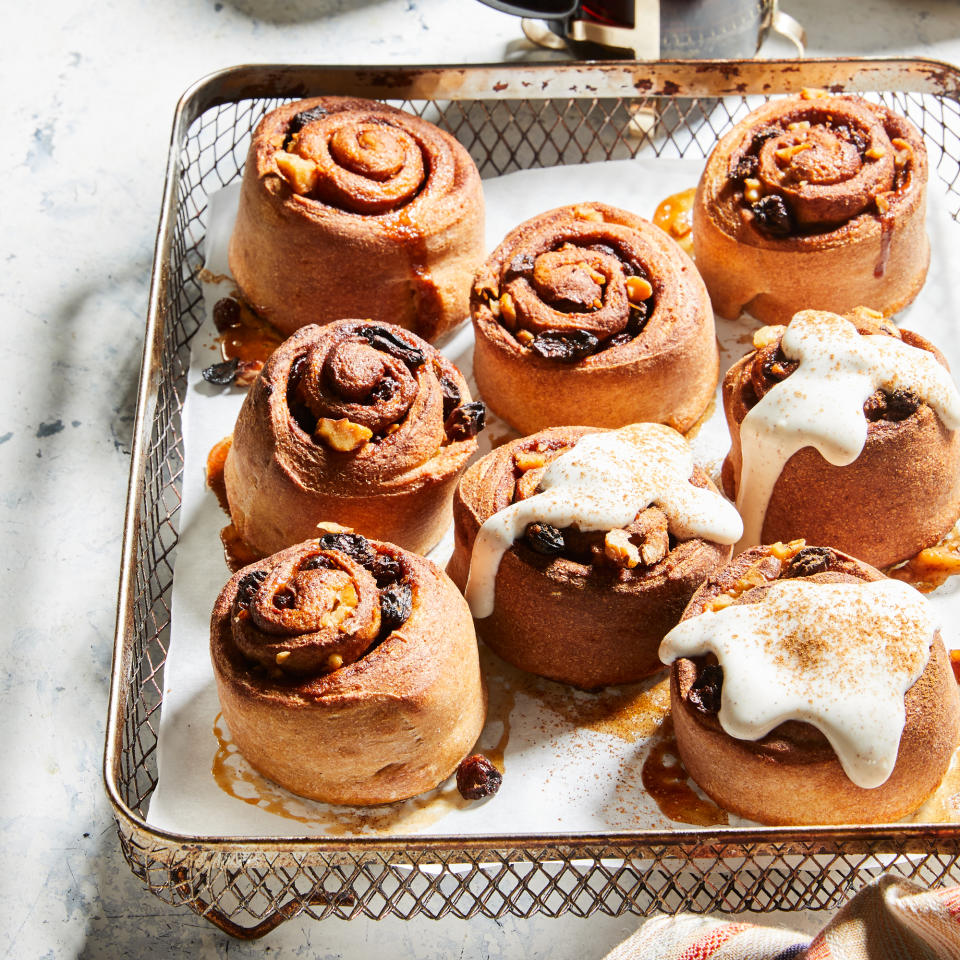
{"points": [[891, 919]]}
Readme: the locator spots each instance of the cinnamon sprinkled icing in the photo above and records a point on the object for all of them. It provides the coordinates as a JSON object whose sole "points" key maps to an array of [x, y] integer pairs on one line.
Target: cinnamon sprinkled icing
{"points": [[602, 484], [820, 404], [839, 656]]}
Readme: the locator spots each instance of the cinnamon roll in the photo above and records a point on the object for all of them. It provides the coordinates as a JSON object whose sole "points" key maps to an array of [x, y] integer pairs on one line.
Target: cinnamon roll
{"points": [[588, 314], [347, 670], [844, 431], [816, 201], [578, 548], [353, 208], [363, 424], [807, 688]]}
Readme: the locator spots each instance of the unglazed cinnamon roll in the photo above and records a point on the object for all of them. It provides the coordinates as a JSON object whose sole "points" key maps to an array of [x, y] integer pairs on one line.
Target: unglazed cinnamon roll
{"points": [[363, 424], [347, 670], [354, 208], [588, 314], [578, 548], [844, 431], [807, 688], [817, 202]]}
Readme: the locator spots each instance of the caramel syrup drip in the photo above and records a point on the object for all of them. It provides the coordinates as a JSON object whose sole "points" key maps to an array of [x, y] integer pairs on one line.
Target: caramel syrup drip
{"points": [[931, 567], [428, 302], [235, 777], [674, 215], [249, 339], [236, 553], [955, 664], [886, 238], [668, 783], [216, 459], [239, 780]]}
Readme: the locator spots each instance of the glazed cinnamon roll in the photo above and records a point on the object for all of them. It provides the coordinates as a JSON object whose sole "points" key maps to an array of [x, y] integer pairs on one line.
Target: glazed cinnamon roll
{"points": [[354, 208], [815, 201], [588, 314], [807, 688], [844, 431], [363, 424], [347, 670], [578, 548]]}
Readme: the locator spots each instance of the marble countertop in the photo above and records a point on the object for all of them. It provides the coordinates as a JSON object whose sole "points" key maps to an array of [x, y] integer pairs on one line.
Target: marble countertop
{"points": [[89, 92]]}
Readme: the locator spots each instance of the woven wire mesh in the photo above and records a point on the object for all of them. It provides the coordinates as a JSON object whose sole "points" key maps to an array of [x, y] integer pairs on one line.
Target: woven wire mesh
{"points": [[249, 891]]}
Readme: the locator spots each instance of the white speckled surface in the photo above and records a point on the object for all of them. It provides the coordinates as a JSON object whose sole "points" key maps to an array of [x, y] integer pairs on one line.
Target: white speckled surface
{"points": [[88, 93]]}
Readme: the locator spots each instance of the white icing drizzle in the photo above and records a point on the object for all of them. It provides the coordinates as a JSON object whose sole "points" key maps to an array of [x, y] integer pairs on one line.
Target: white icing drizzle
{"points": [[602, 484], [820, 404], [839, 656]]}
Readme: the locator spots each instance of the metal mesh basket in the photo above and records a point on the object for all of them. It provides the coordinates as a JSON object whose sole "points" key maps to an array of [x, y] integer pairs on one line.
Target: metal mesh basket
{"points": [[509, 118]]}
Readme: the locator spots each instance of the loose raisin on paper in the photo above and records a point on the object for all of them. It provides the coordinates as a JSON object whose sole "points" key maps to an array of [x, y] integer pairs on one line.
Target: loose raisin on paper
{"points": [[222, 374], [478, 778]]}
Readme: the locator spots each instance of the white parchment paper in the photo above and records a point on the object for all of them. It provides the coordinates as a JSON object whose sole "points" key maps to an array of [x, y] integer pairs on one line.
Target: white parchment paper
{"points": [[572, 760]]}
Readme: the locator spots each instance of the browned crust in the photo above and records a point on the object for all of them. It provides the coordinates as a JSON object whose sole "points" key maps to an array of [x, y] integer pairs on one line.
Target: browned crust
{"points": [[900, 495], [568, 621], [665, 375], [792, 776], [299, 261], [280, 484], [387, 727], [747, 269]]}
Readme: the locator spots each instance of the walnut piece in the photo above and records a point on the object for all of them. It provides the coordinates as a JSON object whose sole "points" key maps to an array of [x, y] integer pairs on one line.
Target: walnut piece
{"points": [[342, 435], [619, 550], [300, 173], [767, 335]]}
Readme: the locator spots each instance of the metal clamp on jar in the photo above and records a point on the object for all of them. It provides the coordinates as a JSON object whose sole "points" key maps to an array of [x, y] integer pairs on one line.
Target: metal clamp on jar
{"points": [[654, 29]]}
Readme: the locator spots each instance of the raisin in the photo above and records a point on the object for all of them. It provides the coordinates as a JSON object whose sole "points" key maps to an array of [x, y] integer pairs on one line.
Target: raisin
{"points": [[772, 215], [810, 560], [477, 778], [300, 120], [352, 544], [567, 346], [895, 406], [248, 586], [544, 538], [777, 367], [707, 688], [318, 562], [451, 396], [761, 136], [222, 374], [385, 570], [226, 313], [618, 339], [384, 389], [396, 603], [284, 600], [638, 315], [391, 344], [746, 167], [522, 263], [466, 421], [860, 140]]}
